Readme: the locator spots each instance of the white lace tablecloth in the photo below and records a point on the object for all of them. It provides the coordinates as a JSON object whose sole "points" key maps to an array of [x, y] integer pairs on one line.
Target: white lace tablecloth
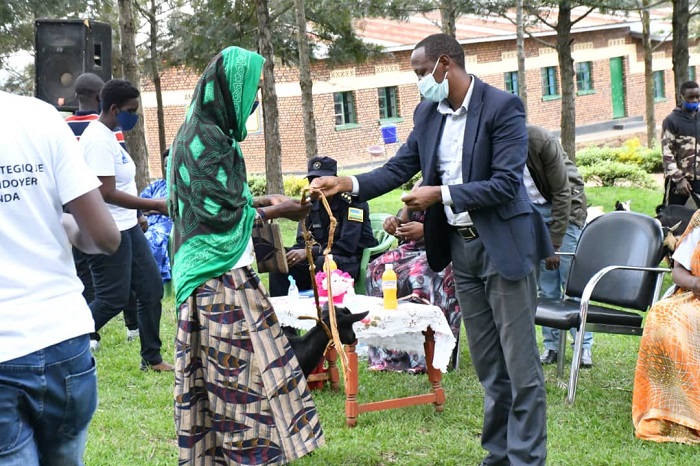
{"points": [[400, 329]]}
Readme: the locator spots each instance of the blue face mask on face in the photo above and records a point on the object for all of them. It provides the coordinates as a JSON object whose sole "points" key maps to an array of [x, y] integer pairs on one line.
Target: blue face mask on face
{"points": [[691, 106], [127, 120], [432, 90]]}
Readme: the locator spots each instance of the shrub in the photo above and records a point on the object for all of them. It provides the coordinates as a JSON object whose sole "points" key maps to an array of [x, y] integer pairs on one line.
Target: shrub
{"points": [[293, 185], [610, 173], [407, 186], [593, 155], [632, 152], [258, 185]]}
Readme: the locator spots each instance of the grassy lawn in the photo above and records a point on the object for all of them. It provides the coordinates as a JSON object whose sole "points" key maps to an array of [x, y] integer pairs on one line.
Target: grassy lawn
{"points": [[134, 421]]}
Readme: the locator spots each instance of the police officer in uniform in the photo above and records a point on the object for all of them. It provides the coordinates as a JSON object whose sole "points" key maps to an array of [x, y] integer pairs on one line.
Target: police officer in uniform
{"points": [[353, 233]]}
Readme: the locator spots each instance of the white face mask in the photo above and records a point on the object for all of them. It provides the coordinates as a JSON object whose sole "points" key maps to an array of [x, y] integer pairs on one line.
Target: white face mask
{"points": [[432, 90]]}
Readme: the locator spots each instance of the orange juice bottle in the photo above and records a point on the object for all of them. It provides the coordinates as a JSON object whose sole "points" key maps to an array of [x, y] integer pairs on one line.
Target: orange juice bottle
{"points": [[389, 287], [331, 265]]}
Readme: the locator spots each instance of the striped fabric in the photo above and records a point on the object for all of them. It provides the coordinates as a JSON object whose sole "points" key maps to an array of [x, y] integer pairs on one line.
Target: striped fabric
{"points": [[80, 120], [240, 395]]}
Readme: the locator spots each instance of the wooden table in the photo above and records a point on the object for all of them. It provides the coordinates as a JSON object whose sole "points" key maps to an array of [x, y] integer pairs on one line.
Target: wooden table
{"points": [[409, 328]]}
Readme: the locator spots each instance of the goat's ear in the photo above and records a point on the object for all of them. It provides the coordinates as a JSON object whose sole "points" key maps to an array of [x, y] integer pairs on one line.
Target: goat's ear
{"points": [[359, 316]]}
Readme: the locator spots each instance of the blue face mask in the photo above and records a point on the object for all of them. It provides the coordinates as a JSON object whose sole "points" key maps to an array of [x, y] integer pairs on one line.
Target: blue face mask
{"points": [[691, 106], [432, 90], [127, 120]]}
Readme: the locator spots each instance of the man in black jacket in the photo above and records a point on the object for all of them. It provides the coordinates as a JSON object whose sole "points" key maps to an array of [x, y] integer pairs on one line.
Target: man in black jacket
{"points": [[555, 187], [679, 146], [353, 233]]}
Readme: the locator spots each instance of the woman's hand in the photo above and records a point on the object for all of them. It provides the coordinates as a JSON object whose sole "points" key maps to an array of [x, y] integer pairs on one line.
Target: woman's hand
{"points": [[291, 209], [391, 224], [410, 231]]}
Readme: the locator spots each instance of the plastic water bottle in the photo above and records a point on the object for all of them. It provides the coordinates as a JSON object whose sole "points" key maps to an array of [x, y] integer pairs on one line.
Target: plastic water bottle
{"points": [[390, 287], [293, 292]]}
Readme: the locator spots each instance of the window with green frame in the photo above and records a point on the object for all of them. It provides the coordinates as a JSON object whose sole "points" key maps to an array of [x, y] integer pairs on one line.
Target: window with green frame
{"points": [[584, 76], [691, 73], [550, 87], [388, 103], [659, 85], [511, 81], [344, 108]]}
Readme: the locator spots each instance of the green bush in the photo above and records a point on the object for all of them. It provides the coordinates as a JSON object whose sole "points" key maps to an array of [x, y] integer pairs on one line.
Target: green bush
{"points": [[258, 185], [293, 185], [610, 173], [632, 152], [407, 186]]}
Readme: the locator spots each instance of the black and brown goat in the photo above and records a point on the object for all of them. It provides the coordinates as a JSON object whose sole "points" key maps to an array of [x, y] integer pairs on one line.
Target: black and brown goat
{"points": [[310, 347]]}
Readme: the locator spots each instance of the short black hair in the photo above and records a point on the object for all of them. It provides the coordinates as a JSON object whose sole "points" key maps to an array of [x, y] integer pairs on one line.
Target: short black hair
{"points": [[688, 85], [442, 44], [119, 92]]}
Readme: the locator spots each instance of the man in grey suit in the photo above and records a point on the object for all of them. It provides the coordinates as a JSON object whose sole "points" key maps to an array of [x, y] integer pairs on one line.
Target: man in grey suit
{"points": [[470, 143]]}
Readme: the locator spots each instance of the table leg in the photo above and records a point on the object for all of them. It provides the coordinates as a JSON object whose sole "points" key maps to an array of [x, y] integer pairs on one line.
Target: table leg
{"points": [[434, 375], [351, 386], [332, 371]]}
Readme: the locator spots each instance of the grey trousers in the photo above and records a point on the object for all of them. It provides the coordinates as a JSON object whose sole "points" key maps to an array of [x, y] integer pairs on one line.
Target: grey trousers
{"points": [[499, 317]]}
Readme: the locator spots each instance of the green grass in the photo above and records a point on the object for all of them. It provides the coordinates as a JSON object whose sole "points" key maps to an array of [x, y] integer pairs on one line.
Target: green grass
{"points": [[134, 421]]}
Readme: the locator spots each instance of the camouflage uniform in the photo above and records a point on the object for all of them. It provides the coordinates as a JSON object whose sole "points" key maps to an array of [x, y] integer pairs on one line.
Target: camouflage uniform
{"points": [[679, 143]]}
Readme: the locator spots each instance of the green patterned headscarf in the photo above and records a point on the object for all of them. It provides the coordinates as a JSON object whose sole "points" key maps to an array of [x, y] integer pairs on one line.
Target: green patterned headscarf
{"points": [[210, 201]]}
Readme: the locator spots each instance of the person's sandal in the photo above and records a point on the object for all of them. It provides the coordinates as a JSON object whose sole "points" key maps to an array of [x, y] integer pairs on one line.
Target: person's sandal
{"points": [[160, 367]]}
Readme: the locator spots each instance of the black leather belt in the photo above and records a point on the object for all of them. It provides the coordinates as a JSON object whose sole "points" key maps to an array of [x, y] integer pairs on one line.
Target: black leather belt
{"points": [[467, 233]]}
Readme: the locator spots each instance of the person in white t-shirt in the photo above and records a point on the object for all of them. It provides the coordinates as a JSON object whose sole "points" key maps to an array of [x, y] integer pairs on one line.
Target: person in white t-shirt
{"points": [[133, 266], [48, 385]]}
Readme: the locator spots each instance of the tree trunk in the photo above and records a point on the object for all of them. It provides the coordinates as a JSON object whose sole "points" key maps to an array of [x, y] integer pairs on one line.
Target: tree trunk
{"points": [[567, 75], [155, 75], [448, 18], [681, 17], [305, 82], [648, 75], [136, 138], [273, 145], [520, 47]]}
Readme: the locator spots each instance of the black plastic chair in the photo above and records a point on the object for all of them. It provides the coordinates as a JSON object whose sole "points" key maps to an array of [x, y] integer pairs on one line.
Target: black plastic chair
{"points": [[616, 266]]}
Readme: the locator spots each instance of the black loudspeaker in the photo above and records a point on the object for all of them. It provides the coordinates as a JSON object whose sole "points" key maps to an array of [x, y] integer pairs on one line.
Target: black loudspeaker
{"points": [[64, 50]]}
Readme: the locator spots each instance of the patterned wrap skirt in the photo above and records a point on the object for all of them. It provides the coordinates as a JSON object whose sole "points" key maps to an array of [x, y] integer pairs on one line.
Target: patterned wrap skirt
{"points": [[240, 395]]}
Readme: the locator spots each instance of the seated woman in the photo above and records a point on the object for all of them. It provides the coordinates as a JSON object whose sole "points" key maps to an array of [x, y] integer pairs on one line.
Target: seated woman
{"points": [[666, 396], [159, 226], [414, 277]]}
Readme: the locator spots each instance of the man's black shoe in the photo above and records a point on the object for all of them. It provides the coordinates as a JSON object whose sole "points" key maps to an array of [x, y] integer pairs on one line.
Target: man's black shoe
{"points": [[548, 357]]}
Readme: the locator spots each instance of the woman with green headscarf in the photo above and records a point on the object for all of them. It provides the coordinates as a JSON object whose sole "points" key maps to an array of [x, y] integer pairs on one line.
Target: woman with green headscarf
{"points": [[240, 396]]}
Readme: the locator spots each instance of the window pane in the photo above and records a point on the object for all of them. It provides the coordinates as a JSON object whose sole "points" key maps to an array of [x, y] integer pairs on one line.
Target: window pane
{"points": [[549, 81], [392, 101], [659, 87], [381, 93], [691, 73], [349, 103], [511, 81], [584, 82], [338, 108]]}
